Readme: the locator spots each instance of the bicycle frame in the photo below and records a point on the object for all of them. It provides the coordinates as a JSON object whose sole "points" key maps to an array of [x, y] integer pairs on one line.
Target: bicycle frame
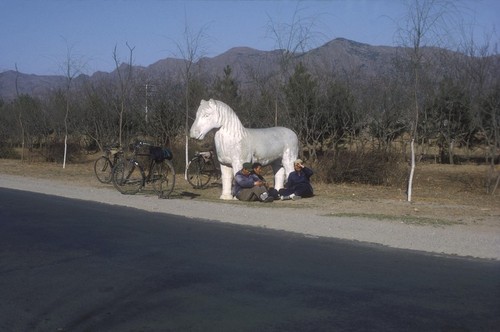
{"points": [[130, 176], [103, 165], [201, 169], [209, 159]]}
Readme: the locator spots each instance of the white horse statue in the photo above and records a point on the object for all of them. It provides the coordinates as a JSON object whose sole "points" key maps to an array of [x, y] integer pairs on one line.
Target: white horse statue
{"points": [[235, 144]]}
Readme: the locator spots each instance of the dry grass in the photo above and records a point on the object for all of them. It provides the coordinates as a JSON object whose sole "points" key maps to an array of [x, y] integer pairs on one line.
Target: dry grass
{"points": [[448, 193]]}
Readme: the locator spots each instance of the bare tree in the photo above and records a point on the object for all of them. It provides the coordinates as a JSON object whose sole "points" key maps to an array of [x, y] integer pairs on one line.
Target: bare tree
{"points": [[451, 118], [291, 38], [384, 97], [71, 67], [302, 97], [30, 118], [165, 120], [227, 89], [191, 49], [425, 24], [96, 120], [125, 80], [20, 116], [481, 78]]}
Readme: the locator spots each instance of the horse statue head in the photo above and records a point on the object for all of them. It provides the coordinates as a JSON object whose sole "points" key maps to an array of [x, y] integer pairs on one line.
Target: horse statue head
{"points": [[206, 119]]}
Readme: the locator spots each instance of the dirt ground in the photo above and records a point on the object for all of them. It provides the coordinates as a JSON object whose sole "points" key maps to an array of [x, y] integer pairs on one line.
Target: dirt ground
{"points": [[442, 194]]}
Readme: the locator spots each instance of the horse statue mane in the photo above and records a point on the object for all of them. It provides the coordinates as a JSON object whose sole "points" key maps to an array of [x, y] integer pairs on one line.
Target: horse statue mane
{"points": [[235, 144]]}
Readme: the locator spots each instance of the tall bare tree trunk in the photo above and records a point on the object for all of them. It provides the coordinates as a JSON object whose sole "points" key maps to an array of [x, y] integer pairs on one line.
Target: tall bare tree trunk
{"points": [[187, 125], [125, 86], [20, 117], [414, 134], [450, 152], [425, 20], [71, 69], [412, 170], [22, 136], [191, 52], [66, 128]]}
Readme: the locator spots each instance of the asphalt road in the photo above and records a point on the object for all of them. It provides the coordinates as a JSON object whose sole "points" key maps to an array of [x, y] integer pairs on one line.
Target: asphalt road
{"points": [[70, 265]]}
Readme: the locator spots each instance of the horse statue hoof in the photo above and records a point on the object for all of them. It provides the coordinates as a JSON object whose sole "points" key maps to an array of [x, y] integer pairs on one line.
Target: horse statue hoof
{"points": [[226, 197]]}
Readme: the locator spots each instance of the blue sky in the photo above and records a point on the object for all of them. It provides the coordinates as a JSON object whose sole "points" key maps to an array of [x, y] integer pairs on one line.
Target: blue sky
{"points": [[37, 34]]}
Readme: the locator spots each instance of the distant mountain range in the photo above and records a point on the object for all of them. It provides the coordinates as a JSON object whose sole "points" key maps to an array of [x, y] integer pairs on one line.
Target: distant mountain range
{"points": [[339, 56]]}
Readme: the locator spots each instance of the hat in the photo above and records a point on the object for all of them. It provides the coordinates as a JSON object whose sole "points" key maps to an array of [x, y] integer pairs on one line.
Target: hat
{"points": [[248, 166], [298, 161]]}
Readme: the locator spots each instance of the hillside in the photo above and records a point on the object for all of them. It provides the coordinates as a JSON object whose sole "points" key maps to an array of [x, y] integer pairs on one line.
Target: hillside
{"points": [[337, 56]]}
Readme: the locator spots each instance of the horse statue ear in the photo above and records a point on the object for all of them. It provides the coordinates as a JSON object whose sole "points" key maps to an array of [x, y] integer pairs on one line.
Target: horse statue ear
{"points": [[203, 102], [211, 102]]}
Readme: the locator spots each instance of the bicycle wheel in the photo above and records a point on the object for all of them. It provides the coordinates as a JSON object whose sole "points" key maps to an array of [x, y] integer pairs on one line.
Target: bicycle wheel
{"points": [[197, 174], [128, 177], [163, 178], [103, 169]]}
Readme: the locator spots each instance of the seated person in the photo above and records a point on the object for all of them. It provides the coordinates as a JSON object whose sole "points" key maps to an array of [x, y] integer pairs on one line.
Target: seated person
{"points": [[298, 184], [248, 187], [257, 170]]}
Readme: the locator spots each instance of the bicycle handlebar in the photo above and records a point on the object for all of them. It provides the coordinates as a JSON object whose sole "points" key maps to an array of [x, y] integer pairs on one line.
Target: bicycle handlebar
{"points": [[139, 143]]}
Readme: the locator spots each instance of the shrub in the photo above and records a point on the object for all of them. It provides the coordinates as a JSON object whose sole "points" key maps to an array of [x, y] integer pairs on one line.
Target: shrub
{"points": [[375, 168], [8, 152], [54, 152]]}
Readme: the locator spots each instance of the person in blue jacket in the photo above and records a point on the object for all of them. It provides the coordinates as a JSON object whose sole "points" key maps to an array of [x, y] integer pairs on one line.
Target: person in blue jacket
{"points": [[298, 184], [248, 186], [257, 170]]}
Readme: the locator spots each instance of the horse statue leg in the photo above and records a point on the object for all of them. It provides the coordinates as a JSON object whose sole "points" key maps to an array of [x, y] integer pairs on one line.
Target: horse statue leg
{"points": [[284, 168], [227, 182], [279, 178], [279, 175]]}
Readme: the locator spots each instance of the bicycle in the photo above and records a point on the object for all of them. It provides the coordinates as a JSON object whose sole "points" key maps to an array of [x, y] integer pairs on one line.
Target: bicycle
{"points": [[103, 166], [129, 176], [201, 168]]}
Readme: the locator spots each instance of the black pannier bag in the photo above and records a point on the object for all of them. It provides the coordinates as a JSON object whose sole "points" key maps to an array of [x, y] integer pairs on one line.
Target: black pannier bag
{"points": [[167, 154], [160, 154]]}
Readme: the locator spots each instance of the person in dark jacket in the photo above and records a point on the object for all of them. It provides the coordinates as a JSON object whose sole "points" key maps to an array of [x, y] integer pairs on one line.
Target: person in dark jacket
{"points": [[248, 187], [257, 170], [298, 184]]}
